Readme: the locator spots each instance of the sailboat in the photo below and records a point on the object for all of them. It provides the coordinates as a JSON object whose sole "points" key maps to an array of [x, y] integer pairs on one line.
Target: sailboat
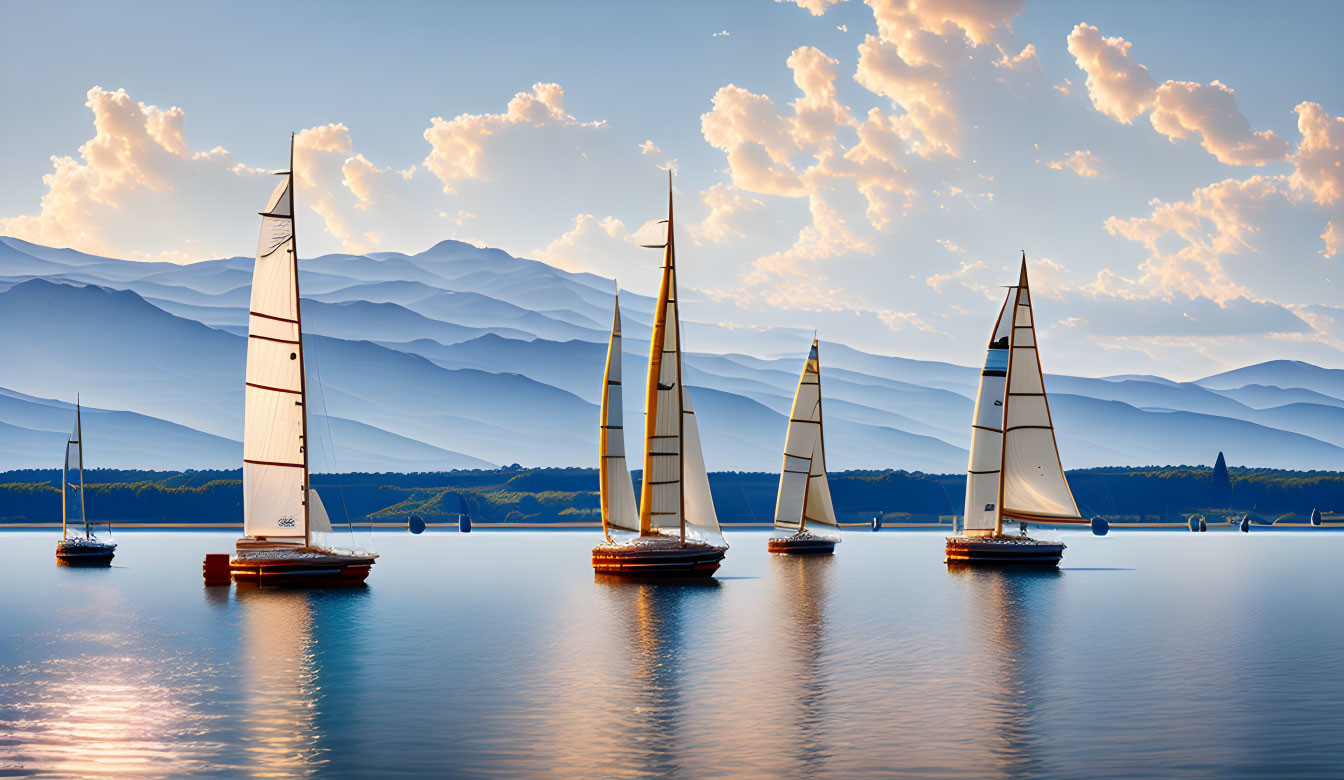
{"points": [[1014, 473], [804, 493], [281, 510], [72, 548], [675, 530]]}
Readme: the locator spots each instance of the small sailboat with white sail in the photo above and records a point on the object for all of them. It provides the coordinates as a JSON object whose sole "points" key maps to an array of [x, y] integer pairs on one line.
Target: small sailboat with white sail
{"points": [[1015, 474], [804, 500], [674, 531], [85, 548], [281, 510]]}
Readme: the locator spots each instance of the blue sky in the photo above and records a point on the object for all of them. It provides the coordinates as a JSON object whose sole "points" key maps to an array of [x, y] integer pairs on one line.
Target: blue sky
{"points": [[1174, 228]]}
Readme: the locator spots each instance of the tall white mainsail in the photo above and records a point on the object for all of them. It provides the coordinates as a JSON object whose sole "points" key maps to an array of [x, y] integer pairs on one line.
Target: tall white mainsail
{"points": [[804, 492], [74, 459], [1014, 469], [275, 456], [675, 489], [617, 489]]}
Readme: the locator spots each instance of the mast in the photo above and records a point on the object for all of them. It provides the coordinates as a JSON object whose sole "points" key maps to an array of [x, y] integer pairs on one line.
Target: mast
{"points": [[65, 468], [681, 389], [663, 418], [821, 433], [298, 326], [79, 439], [1016, 296]]}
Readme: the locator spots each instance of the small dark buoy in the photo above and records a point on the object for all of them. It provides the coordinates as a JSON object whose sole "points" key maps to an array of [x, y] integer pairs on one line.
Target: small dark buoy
{"points": [[1316, 517], [1246, 524], [464, 523], [1100, 527], [416, 524], [1203, 526], [215, 569], [877, 522]]}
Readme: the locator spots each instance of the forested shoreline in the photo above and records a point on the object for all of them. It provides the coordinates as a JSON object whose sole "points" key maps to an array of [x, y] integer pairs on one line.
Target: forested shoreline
{"points": [[569, 495]]}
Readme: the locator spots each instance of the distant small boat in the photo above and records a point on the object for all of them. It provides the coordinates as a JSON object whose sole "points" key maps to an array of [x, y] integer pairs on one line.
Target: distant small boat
{"points": [[281, 510], [1015, 473], [675, 531], [87, 549], [804, 493]]}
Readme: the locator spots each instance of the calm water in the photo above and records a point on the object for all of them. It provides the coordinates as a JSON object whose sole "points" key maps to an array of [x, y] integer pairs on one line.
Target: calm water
{"points": [[1150, 653]]}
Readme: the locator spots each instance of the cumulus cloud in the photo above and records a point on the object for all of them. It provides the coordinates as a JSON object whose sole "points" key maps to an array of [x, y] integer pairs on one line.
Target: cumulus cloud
{"points": [[593, 245], [1123, 89], [1081, 161], [726, 207], [133, 172], [1118, 86], [649, 147], [459, 146], [816, 7], [1210, 110]]}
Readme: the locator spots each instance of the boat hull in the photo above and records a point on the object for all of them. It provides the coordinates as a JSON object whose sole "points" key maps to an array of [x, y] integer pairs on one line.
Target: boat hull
{"points": [[694, 559], [84, 553], [286, 565], [1002, 551], [801, 545]]}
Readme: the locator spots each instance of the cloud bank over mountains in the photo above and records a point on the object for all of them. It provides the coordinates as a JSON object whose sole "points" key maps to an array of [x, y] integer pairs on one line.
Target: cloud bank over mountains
{"points": [[1172, 231]]}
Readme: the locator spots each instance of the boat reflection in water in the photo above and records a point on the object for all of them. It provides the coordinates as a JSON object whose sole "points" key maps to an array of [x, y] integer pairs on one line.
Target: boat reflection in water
{"points": [[800, 669], [282, 671], [1011, 607]]}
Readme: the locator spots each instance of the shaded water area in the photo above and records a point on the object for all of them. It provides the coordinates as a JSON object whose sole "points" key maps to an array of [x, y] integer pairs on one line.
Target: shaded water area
{"points": [[1149, 653]]}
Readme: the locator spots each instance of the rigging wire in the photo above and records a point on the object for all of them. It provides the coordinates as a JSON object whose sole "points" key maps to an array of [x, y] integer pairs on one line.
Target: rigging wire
{"points": [[329, 447]]}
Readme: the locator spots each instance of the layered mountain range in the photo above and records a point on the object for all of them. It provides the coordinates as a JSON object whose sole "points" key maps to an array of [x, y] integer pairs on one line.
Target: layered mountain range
{"points": [[461, 357]]}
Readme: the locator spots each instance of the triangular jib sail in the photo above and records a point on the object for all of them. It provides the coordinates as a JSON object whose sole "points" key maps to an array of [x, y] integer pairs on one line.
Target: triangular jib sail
{"points": [[617, 490], [804, 493], [1014, 470], [275, 460]]}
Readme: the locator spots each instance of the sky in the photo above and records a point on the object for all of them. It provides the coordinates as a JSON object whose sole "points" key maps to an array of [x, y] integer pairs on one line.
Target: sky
{"points": [[873, 170]]}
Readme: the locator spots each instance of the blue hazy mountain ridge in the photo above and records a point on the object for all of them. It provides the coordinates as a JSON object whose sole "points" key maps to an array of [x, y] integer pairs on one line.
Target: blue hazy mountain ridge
{"points": [[1264, 396], [1281, 373], [35, 431], [504, 365]]}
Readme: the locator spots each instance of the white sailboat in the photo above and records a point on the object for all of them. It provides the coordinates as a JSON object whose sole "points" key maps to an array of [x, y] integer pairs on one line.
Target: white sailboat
{"points": [[804, 497], [1014, 473], [281, 510], [72, 548], [677, 532]]}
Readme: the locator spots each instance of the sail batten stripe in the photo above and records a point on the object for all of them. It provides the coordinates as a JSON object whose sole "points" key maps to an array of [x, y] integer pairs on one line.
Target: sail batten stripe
{"points": [[987, 428], [272, 463], [270, 338], [273, 317], [276, 389]]}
